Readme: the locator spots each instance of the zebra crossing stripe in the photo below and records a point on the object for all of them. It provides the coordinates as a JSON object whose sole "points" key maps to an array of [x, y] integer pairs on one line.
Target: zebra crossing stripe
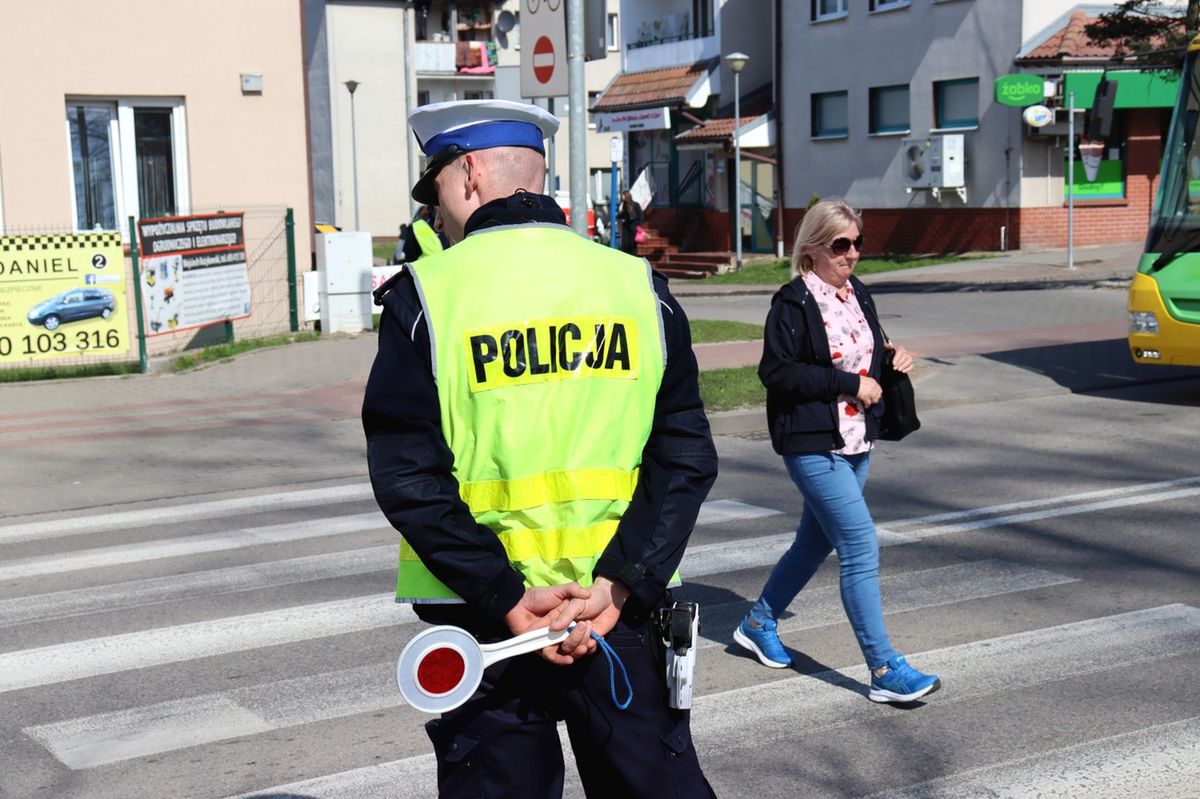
{"points": [[720, 511], [124, 554], [56, 528], [138, 593], [1160, 762], [806, 703], [48, 665], [109, 737]]}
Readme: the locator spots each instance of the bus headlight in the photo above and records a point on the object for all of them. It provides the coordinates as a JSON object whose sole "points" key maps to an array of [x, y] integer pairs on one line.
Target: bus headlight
{"points": [[1143, 322]]}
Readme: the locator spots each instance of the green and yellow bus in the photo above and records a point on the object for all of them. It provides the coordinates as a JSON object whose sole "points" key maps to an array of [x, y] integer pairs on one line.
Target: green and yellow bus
{"points": [[1164, 298]]}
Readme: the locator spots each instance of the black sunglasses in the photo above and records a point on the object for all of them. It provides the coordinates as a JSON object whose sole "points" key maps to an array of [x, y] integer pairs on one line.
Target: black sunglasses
{"points": [[842, 246]]}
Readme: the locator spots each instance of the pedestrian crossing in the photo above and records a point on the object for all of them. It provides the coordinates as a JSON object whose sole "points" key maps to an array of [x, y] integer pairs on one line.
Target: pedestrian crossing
{"points": [[77, 739]]}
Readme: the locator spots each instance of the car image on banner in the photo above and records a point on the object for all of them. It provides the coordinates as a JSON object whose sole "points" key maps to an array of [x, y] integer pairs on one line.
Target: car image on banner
{"points": [[73, 305]]}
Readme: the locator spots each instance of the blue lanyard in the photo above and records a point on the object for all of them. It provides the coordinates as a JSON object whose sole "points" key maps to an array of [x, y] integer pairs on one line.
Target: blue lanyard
{"points": [[612, 658]]}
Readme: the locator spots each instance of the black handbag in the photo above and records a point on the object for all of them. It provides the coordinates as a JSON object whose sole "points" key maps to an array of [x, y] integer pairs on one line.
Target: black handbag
{"points": [[899, 402]]}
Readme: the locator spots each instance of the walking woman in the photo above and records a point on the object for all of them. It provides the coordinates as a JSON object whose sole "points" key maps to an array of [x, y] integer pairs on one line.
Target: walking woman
{"points": [[821, 359]]}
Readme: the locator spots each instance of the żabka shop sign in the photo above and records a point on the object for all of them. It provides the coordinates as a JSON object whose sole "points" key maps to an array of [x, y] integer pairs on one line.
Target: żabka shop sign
{"points": [[1019, 90], [193, 271]]}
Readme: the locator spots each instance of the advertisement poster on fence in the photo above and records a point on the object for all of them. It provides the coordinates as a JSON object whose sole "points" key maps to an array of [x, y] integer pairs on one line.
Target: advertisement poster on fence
{"points": [[193, 271], [62, 295]]}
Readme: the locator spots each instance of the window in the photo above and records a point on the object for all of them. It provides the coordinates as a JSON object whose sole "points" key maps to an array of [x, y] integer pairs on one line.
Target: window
{"points": [[956, 103], [593, 98], [423, 97], [480, 94], [889, 109], [828, 9], [127, 159], [888, 5], [612, 31], [702, 18], [830, 115]]}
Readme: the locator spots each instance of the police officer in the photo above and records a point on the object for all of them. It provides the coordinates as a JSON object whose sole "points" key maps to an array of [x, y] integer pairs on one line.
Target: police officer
{"points": [[535, 432], [420, 238]]}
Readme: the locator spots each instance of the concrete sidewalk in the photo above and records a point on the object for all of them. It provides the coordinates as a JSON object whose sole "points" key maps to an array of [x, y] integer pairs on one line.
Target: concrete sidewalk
{"points": [[327, 376]]}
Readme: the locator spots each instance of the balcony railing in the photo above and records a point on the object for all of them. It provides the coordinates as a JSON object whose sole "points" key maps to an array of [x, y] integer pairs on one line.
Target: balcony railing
{"points": [[671, 28]]}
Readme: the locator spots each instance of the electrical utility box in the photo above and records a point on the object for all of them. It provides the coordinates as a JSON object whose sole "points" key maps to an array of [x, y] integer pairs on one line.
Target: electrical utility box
{"points": [[344, 267], [933, 162]]}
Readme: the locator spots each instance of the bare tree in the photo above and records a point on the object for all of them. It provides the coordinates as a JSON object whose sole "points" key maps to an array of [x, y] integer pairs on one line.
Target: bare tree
{"points": [[1148, 26]]}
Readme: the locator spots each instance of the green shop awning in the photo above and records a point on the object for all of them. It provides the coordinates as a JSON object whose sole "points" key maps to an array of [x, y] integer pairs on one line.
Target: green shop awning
{"points": [[1134, 89]]}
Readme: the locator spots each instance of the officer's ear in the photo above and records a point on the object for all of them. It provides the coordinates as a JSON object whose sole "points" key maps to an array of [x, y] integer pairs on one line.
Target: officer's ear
{"points": [[472, 175]]}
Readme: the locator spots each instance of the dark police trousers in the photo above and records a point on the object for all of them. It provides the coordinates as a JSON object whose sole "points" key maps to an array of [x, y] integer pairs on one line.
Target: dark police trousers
{"points": [[504, 742]]}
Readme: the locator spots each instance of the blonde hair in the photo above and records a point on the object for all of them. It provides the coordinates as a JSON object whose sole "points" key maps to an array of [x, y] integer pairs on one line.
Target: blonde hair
{"points": [[820, 225]]}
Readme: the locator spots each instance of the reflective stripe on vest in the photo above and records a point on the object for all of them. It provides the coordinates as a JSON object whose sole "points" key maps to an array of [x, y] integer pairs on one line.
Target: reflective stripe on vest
{"points": [[547, 371], [427, 237]]}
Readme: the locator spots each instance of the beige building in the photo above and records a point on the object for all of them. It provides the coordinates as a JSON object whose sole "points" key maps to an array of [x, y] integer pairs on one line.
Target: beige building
{"points": [[138, 108], [111, 110]]}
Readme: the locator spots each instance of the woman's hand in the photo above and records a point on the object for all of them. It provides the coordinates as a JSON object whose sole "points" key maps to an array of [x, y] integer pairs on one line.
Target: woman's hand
{"points": [[869, 391], [902, 361]]}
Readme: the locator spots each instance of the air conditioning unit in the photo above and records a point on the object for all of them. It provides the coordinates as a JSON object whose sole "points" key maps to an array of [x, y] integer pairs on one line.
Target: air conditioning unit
{"points": [[934, 162]]}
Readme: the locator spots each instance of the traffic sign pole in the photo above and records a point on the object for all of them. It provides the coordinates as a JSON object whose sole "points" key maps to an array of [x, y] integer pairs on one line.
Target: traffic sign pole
{"points": [[577, 115]]}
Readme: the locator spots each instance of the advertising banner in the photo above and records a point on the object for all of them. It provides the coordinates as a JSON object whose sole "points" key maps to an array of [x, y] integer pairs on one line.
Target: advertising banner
{"points": [[642, 119], [193, 271], [62, 295]]}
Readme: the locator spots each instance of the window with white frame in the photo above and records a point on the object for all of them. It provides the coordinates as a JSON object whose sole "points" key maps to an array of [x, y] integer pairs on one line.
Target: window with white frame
{"points": [[828, 9], [127, 159], [888, 5], [612, 32], [956, 103], [830, 115], [889, 109]]}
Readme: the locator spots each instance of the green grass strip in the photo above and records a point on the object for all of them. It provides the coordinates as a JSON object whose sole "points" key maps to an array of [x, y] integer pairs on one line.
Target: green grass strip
{"points": [[712, 331], [727, 389], [22, 374], [776, 273]]}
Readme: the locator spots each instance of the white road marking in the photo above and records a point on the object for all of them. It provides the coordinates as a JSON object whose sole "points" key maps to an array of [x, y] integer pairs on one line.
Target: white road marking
{"points": [[1160, 762], [1041, 503], [806, 703], [720, 511], [124, 554], [48, 665], [105, 738], [31, 531], [139, 593]]}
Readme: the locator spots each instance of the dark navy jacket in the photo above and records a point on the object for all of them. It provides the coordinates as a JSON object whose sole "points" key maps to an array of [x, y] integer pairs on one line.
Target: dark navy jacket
{"points": [[802, 383], [411, 464]]}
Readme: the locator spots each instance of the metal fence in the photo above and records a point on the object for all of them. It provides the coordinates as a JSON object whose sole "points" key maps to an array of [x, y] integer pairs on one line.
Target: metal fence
{"points": [[73, 299]]}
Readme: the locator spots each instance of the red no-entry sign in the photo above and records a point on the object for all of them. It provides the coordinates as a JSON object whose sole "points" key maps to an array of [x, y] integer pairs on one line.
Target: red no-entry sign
{"points": [[543, 59]]}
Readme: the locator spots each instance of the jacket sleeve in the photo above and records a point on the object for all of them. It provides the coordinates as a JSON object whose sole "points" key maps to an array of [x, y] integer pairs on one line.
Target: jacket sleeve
{"points": [[410, 466], [679, 466], [787, 367]]}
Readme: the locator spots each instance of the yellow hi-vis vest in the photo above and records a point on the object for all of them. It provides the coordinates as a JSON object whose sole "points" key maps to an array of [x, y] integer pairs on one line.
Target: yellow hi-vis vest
{"points": [[548, 353], [427, 237]]}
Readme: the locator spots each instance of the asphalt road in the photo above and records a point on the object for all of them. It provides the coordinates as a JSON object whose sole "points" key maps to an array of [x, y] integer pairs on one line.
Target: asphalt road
{"points": [[194, 581]]}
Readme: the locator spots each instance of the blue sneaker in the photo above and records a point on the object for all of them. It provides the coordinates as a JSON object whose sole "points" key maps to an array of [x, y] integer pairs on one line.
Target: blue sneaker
{"points": [[902, 683], [763, 642]]}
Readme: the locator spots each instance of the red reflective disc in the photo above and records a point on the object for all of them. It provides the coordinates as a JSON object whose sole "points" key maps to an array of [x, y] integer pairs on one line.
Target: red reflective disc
{"points": [[441, 670]]}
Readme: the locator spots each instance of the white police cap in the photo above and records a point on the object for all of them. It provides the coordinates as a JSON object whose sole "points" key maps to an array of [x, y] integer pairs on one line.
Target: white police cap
{"points": [[447, 130]]}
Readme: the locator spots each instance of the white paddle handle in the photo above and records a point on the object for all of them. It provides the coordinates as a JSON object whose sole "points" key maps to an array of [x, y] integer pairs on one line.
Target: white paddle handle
{"points": [[521, 644]]}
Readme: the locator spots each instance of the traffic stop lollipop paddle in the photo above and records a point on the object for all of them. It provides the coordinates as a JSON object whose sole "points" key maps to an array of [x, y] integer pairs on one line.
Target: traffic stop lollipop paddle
{"points": [[440, 668]]}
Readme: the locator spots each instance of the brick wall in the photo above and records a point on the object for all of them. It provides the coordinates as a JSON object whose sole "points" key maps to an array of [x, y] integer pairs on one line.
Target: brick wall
{"points": [[924, 230], [712, 228]]}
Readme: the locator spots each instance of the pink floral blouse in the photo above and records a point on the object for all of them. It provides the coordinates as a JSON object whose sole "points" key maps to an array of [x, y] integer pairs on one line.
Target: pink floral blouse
{"points": [[851, 346]]}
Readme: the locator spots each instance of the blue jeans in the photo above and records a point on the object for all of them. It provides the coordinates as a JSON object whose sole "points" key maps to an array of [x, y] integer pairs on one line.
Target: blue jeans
{"points": [[835, 517]]}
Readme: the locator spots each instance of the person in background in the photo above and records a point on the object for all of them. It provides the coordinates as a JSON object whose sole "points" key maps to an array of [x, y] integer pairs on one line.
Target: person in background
{"points": [[552, 472], [421, 237], [629, 217], [822, 351]]}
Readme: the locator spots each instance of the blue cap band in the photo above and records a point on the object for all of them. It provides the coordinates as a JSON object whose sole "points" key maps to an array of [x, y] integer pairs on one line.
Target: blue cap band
{"points": [[502, 133]]}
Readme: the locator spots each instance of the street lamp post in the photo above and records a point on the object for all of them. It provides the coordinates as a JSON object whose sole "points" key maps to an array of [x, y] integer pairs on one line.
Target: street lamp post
{"points": [[352, 85], [737, 62]]}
